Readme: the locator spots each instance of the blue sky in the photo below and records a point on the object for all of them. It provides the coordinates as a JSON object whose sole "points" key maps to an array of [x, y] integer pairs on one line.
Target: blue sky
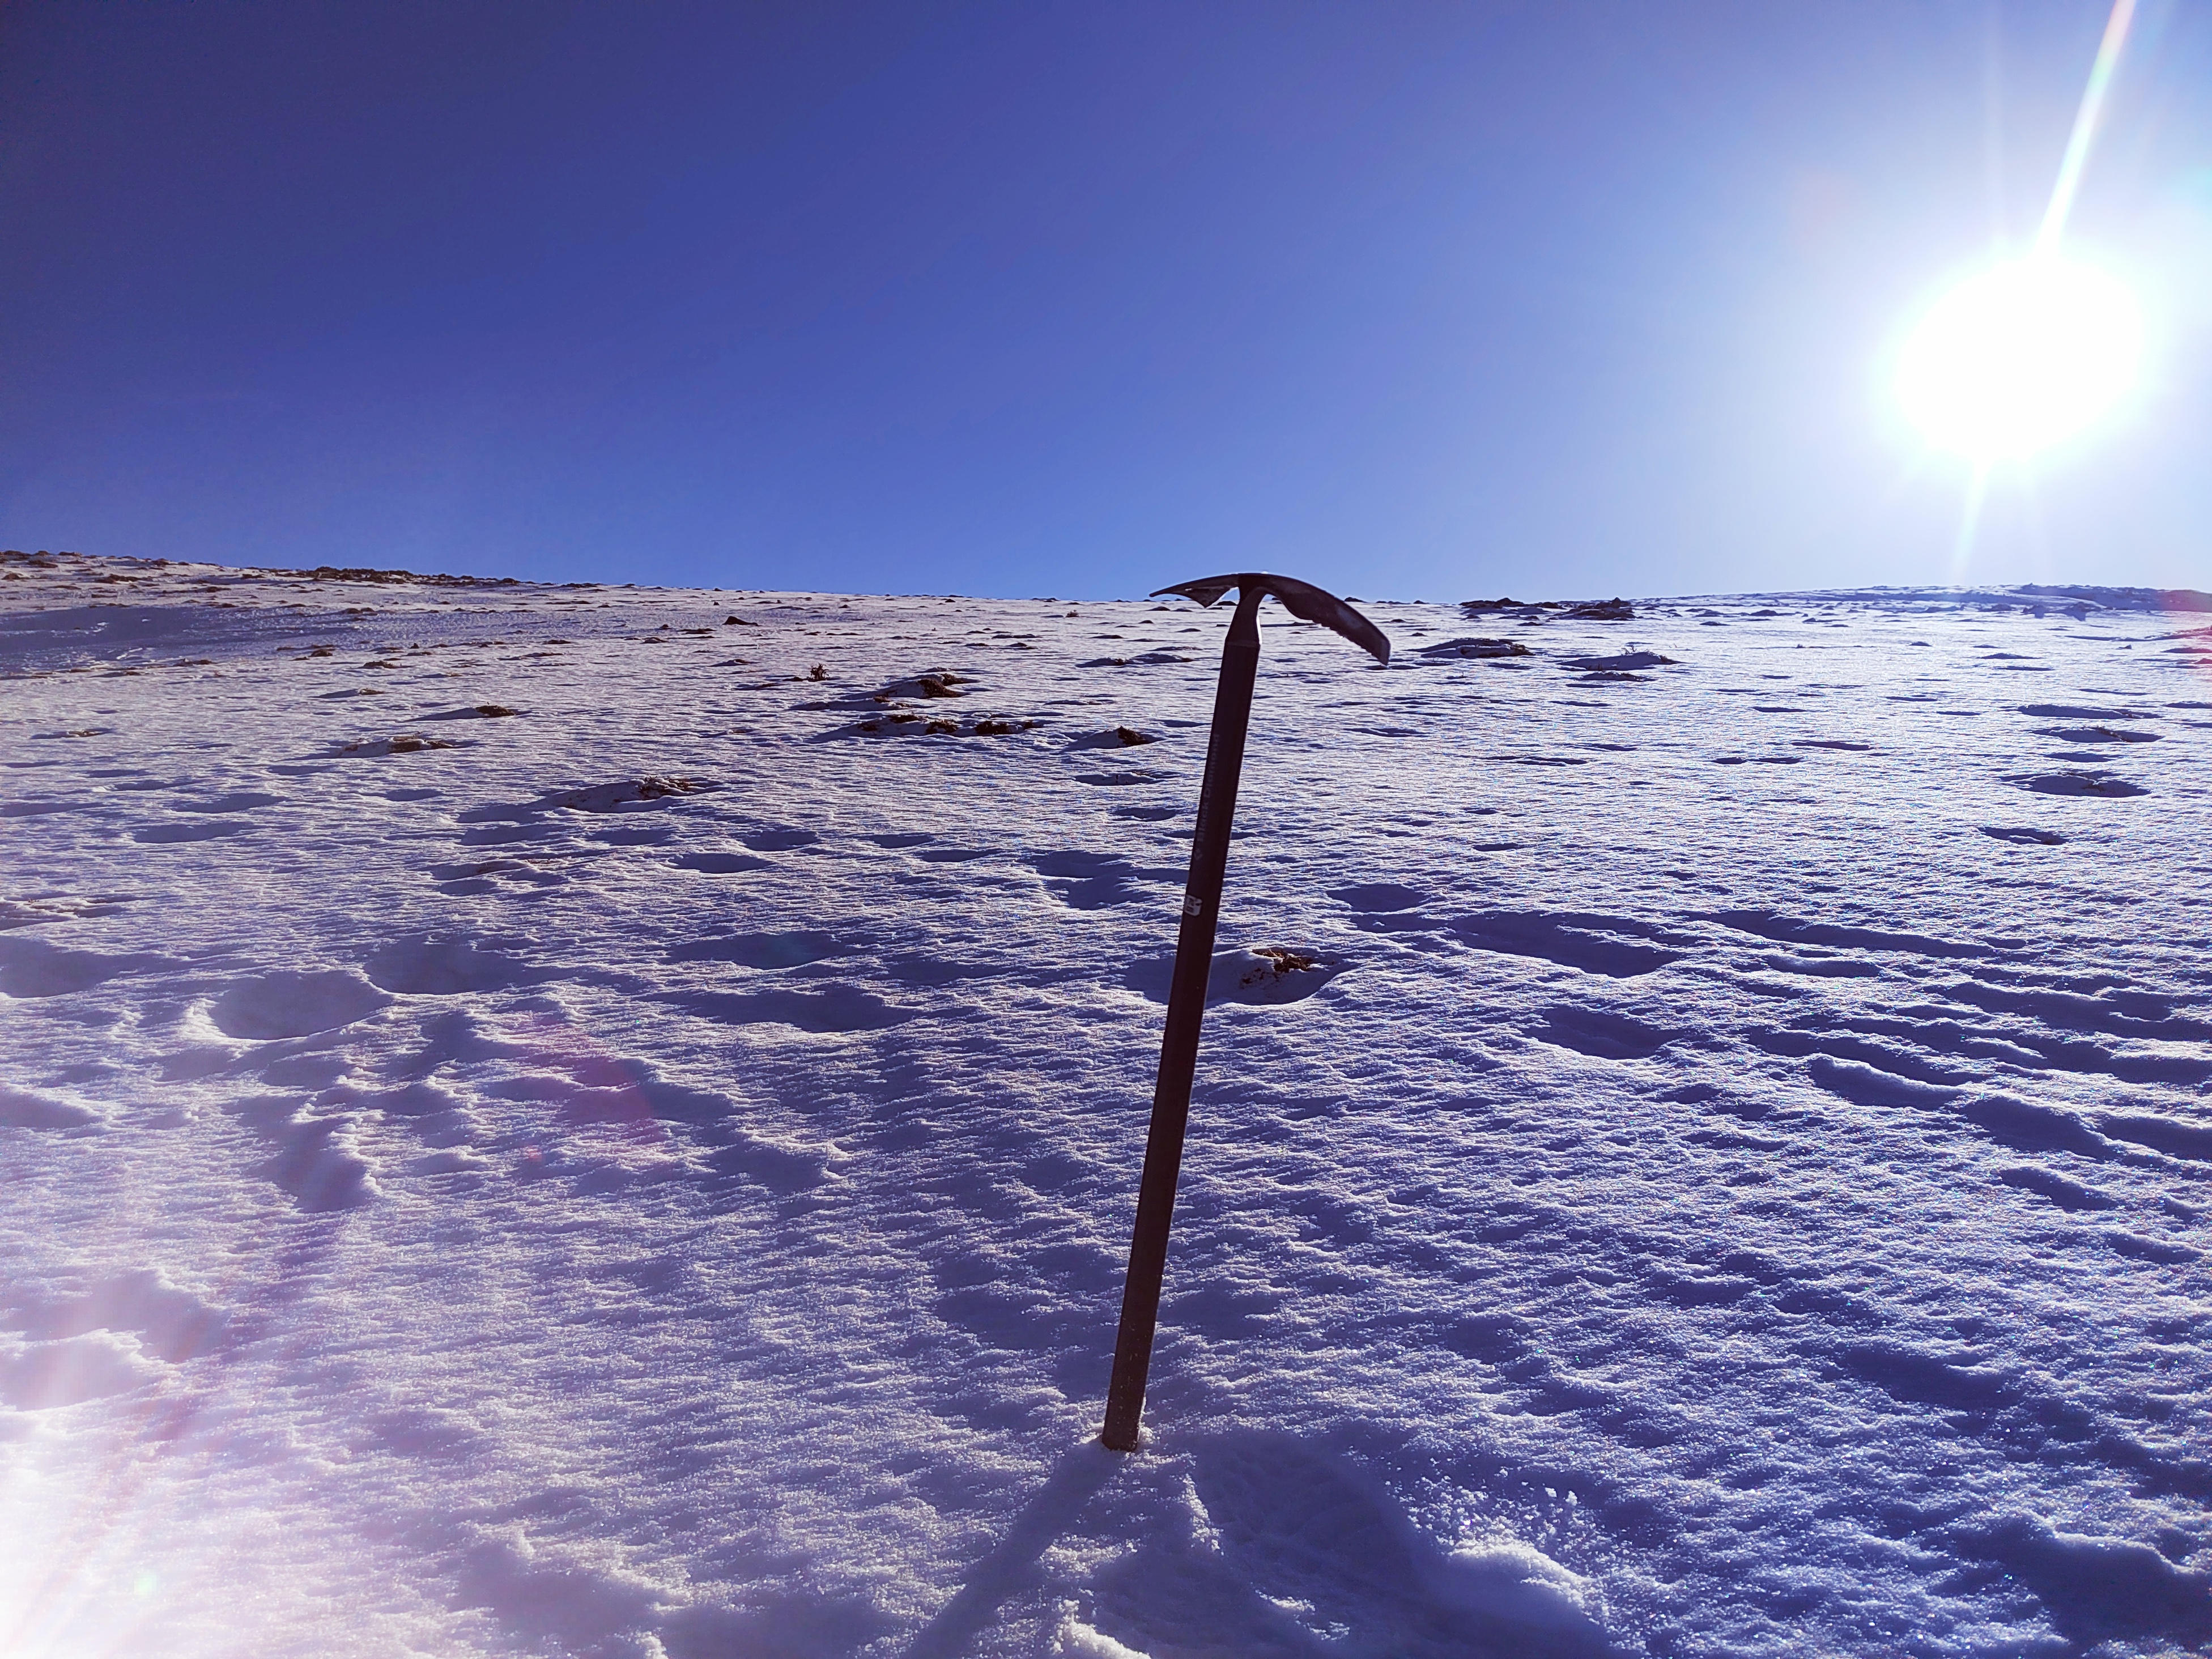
{"points": [[1418, 301]]}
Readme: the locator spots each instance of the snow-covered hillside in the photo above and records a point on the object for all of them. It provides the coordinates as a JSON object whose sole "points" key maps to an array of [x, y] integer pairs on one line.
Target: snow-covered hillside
{"points": [[590, 1121]]}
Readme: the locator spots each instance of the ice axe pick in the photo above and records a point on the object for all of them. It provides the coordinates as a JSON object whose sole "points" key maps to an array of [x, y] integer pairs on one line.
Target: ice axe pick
{"points": [[1201, 909]]}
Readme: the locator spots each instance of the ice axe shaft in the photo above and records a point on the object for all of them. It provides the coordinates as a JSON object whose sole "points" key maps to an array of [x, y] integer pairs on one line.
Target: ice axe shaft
{"points": [[1201, 915], [1194, 963]]}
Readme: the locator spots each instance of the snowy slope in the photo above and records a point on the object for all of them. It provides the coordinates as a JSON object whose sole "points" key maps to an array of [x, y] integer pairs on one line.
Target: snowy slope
{"points": [[648, 1173]]}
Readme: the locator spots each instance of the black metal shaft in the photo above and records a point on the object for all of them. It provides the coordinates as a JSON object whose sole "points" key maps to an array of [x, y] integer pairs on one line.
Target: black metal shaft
{"points": [[1201, 912]]}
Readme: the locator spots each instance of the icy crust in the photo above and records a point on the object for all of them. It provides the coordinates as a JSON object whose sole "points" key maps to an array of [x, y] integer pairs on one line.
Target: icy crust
{"points": [[1702, 1144]]}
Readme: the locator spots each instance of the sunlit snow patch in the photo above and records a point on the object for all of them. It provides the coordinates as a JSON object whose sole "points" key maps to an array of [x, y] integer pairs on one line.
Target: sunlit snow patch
{"points": [[289, 1003]]}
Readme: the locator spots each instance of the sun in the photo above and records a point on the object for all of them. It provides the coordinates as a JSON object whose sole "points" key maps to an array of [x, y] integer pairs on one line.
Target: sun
{"points": [[2019, 357]]}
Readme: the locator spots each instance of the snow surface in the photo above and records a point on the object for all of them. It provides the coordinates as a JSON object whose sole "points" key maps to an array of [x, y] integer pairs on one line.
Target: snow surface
{"points": [[650, 1172]]}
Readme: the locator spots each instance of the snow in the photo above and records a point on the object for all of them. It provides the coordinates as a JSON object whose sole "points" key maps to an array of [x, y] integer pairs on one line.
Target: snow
{"points": [[535, 1121]]}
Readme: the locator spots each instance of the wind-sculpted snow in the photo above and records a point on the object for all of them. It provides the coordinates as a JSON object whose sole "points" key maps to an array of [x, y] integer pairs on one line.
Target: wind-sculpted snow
{"points": [[545, 1121]]}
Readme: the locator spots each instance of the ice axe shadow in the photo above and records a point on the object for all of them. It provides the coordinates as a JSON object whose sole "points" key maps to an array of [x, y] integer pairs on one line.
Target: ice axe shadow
{"points": [[1009, 1568], [1201, 908]]}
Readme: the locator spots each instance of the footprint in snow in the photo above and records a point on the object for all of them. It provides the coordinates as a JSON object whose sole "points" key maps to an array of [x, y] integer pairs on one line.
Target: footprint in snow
{"points": [[2095, 1589], [421, 968], [290, 1003], [244, 801], [2193, 1141], [173, 1324], [39, 808], [1622, 663], [49, 1375], [1093, 881], [20, 1109], [31, 966], [2094, 734], [1618, 947], [2063, 711], [2024, 837], [625, 795], [652, 836], [1378, 896], [2067, 1195], [314, 1158], [486, 876], [164, 834], [1602, 1034], [2159, 1250], [762, 950], [834, 1010], [502, 834], [2100, 784], [1792, 930], [723, 864]]}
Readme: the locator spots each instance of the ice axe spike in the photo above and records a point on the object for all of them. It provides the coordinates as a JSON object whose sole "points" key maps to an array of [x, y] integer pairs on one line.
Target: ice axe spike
{"points": [[1201, 909]]}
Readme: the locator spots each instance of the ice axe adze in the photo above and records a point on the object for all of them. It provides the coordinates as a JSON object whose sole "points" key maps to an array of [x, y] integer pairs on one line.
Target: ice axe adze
{"points": [[1201, 909]]}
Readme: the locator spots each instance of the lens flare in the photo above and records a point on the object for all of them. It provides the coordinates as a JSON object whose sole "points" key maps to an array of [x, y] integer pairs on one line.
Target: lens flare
{"points": [[2020, 357]]}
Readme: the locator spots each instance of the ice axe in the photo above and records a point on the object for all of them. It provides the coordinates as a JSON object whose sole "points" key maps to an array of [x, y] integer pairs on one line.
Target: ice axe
{"points": [[1201, 911]]}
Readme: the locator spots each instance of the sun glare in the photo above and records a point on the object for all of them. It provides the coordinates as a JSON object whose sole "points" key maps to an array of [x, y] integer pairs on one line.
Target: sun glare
{"points": [[2020, 357]]}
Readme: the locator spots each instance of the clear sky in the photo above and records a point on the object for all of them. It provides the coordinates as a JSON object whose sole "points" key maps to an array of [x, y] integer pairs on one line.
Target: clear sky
{"points": [[1417, 301]]}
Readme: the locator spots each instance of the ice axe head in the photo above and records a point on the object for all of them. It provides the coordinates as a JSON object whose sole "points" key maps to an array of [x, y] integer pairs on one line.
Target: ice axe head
{"points": [[1195, 940], [1302, 599]]}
